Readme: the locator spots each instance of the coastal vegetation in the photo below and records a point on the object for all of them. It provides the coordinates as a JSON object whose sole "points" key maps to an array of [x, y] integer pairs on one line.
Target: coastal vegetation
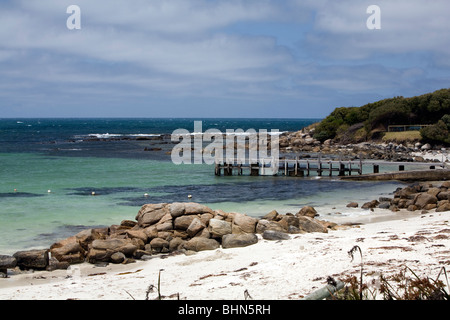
{"points": [[371, 121], [404, 285], [402, 136]]}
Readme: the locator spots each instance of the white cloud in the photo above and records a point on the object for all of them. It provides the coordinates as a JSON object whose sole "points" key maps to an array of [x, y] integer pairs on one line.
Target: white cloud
{"points": [[137, 34], [188, 48], [341, 32]]}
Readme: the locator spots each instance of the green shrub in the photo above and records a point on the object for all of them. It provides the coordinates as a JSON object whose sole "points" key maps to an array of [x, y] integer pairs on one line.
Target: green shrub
{"points": [[425, 109], [437, 133]]}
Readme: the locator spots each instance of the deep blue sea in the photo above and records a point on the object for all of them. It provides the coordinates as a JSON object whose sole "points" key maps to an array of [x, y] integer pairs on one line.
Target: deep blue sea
{"points": [[50, 169]]}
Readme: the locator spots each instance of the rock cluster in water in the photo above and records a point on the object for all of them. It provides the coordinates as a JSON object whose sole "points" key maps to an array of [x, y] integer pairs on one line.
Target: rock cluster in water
{"points": [[162, 229], [303, 141]]}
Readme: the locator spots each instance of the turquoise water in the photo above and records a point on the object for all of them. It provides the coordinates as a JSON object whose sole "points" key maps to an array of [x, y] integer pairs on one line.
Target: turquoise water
{"points": [[49, 169], [32, 214], [33, 217]]}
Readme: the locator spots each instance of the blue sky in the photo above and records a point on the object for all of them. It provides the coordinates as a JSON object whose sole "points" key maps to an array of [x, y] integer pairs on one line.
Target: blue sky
{"points": [[217, 58]]}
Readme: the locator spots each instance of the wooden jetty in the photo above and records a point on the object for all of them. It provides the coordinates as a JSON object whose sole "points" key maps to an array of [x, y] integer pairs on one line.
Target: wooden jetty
{"points": [[299, 167]]}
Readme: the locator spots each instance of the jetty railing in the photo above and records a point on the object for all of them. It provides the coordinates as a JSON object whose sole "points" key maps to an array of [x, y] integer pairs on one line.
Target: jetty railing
{"points": [[407, 127], [301, 167]]}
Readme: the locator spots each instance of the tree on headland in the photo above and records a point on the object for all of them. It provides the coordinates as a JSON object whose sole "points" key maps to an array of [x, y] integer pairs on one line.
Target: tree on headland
{"points": [[439, 132], [354, 124]]}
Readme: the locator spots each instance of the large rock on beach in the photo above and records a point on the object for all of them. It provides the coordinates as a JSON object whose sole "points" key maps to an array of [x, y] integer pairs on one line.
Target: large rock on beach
{"points": [[183, 222], [219, 228], [272, 215], [308, 224], [289, 220], [243, 223], [406, 193], [384, 205], [73, 249], [201, 244], [175, 244], [32, 259], [239, 240], [118, 257], [205, 217], [163, 228], [445, 184], [128, 224], [444, 195], [275, 235], [434, 191], [151, 213], [159, 245], [307, 211], [196, 208], [165, 223], [424, 199], [195, 227], [7, 262], [102, 250], [370, 205], [264, 225], [71, 252], [96, 256], [123, 245], [151, 232], [176, 209], [86, 236], [138, 234], [443, 207]]}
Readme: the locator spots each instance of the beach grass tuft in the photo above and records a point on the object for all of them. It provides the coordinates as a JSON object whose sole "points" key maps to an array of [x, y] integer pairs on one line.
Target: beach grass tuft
{"points": [[413, 287], [404, 285]]}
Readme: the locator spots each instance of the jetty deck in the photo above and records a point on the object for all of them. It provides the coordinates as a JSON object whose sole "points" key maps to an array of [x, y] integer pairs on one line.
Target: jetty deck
{"points": [[412, 175], [301, 167]]}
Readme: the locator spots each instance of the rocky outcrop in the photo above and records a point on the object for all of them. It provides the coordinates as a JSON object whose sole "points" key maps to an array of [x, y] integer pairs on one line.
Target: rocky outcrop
{"points": [[165, 228], [303, 141], [7, 262], [239, 240], [32, 259], [219, 228], [352, 205], [275, 235], [201, 244], [419, 196], [370, 205], [308, 211], [302, 222]]}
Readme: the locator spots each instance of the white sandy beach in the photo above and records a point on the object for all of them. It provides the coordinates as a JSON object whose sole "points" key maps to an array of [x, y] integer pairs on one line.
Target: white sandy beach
{"points": [[274, 270]]}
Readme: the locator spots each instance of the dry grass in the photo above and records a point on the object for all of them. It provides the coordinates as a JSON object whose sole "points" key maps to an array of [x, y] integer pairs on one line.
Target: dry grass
{"points": [[402, 137], [405, 285]]}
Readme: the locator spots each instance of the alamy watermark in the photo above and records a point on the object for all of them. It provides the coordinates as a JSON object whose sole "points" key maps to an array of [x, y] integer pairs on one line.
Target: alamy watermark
{"points": [[73, 22], [233, 146], [374, 20]]}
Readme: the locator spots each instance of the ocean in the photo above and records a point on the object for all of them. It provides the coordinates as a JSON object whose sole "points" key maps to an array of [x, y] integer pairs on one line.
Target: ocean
{"points": [[60, 176]]}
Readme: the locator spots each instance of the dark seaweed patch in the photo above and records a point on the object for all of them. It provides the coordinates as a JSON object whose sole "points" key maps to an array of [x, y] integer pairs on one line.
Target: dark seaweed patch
{"points": [[282, 189], [19, 195], [270, 189], [87, 191]]}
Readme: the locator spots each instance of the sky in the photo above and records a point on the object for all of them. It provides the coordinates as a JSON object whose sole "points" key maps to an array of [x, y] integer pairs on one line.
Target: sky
{"points": [[217, 58]]}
